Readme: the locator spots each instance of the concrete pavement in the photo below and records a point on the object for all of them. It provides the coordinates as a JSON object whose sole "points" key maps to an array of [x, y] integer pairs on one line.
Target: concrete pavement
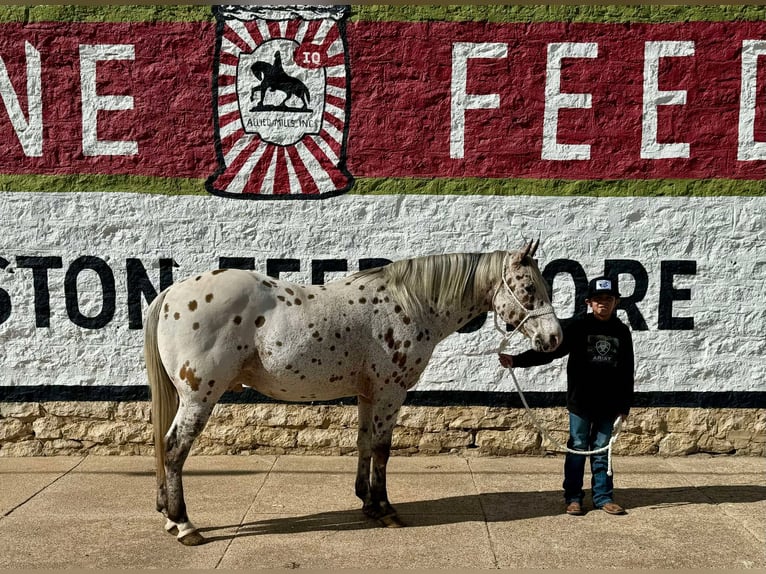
{"points": [[462, 512]]}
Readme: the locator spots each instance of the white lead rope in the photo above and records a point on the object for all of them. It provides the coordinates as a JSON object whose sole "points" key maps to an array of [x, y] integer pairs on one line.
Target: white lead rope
{"points": [[616, 427]]}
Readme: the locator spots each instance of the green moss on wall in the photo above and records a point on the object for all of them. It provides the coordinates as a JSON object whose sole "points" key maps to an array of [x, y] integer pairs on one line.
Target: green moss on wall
{"points": [[107, 13], [404, 13], [106, 183], [412, 186], [547, 13], [556, 187]]}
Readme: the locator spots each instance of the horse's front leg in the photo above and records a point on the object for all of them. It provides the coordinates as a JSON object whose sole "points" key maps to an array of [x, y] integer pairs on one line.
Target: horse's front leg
{"points": [[364, 448], [384, 416], [379, 506]]}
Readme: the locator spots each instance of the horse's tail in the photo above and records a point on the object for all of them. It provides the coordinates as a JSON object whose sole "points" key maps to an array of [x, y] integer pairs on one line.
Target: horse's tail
{"points": [[164, 396]]}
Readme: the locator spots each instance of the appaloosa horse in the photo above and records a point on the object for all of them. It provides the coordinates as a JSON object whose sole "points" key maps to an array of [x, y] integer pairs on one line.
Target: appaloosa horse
{"points": [[369, 335]]}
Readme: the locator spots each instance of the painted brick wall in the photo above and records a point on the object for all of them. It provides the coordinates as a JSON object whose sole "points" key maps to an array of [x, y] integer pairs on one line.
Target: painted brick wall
{"points": [[411, 160]]}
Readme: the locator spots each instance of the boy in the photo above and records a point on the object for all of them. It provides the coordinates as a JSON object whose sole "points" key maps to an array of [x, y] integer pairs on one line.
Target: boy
{"points": [[599, 388]]}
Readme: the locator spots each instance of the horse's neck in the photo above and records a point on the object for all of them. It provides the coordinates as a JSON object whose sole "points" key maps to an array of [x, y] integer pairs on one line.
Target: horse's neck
{"points": [[449, 318]]}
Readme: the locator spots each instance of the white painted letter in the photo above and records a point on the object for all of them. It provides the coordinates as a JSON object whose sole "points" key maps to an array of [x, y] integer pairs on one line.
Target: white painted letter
{"points": [[92, 102], [30, 133], [461, 101], [653, 97], [748, 149], [555, 100]]}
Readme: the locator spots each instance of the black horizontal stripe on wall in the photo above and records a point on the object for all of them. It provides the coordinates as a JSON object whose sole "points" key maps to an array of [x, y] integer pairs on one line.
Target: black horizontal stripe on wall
{"points": [[701, 399]]}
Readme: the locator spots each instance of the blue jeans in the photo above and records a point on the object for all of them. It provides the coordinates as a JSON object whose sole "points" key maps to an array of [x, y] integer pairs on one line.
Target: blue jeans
{"points": [[585, 434]]}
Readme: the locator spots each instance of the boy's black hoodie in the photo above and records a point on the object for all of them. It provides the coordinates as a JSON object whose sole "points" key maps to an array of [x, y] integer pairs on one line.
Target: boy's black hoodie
{"points": [[600, 366]]}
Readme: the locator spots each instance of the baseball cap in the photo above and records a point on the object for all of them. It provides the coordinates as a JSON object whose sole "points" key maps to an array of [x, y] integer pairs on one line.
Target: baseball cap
{"points": [[603, 286]]}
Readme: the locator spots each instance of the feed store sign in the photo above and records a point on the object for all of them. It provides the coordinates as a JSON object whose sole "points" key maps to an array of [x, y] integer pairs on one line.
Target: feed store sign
{"points": [[139, 146]]}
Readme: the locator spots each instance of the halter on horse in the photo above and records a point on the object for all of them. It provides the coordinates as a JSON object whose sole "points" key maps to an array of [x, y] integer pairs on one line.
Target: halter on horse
{"points": [[369, 335]]}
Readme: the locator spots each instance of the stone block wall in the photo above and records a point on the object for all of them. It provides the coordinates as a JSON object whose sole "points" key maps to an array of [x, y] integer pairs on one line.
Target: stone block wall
{"points": [[123, 428]]}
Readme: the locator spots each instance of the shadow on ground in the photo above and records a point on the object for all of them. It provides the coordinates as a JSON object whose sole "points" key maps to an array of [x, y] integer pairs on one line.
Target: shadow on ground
{"points": [[492, 507]]}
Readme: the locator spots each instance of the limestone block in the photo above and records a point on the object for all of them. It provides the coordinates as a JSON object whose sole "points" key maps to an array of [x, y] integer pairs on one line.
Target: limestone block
{"points": [[434, 442], [275, 437], [62, 447], [549, 419], [132, 432], [504, 443], [26, 412], [93, 410], [318, 438], [729, 420], [646, 421], [343, 417], [219, 433], [713, 444], [106, 432], [47, 427], [302, 416], [561, 437], [465, 420], [222, 412], [271, 415], [430, 419], [630, 444], [22, 448], [682, 420], [115, 450], [677, 444], [739, 438], [13, 430], [495, 419], [405, 438], [133, 411]]}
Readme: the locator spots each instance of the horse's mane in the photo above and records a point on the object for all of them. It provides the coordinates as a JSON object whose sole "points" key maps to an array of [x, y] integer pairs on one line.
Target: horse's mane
{"points": [[439, 280]]}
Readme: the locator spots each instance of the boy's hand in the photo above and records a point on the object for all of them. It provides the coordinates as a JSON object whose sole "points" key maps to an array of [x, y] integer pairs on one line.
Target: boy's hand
{"points": [[506, 360]]}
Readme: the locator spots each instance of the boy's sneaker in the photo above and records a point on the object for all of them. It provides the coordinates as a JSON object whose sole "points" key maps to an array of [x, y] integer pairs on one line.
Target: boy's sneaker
{"points": [[574, 508]]}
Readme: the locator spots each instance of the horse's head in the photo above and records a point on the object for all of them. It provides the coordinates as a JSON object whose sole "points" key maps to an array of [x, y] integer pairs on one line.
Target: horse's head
{"points": [[521, 299], [260, 70]]}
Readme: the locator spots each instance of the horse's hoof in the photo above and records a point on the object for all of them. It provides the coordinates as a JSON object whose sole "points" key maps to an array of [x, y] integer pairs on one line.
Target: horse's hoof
{"points": [[192, 539], [171, 527], [392, 521]]}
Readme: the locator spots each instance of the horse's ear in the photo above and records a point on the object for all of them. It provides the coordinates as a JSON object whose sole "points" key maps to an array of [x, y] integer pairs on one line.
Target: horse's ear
{"points": [[534, 248], [527, 250]]}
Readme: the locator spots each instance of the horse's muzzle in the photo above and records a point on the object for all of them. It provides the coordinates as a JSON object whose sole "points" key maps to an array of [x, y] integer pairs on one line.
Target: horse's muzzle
{"points": [[547, 344]]}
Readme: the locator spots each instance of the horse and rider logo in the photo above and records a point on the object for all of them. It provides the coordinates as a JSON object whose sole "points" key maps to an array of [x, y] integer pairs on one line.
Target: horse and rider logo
{"points": [[274, 95], [281, 98], [273, 78]]}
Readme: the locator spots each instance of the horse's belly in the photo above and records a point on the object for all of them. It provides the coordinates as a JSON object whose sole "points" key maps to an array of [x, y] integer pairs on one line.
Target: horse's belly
{"points": [[304, 386]]}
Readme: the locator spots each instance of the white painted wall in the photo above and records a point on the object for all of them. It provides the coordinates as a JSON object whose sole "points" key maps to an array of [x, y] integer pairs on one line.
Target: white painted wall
{"points": [[724, 235]]}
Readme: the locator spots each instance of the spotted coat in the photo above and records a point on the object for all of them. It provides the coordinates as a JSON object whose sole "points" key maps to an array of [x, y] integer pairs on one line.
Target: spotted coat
{"points": [[226, 329]]}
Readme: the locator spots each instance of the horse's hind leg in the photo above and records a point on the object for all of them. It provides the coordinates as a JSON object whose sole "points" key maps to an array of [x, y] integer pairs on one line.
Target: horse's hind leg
{"points": [[189, 422]]}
